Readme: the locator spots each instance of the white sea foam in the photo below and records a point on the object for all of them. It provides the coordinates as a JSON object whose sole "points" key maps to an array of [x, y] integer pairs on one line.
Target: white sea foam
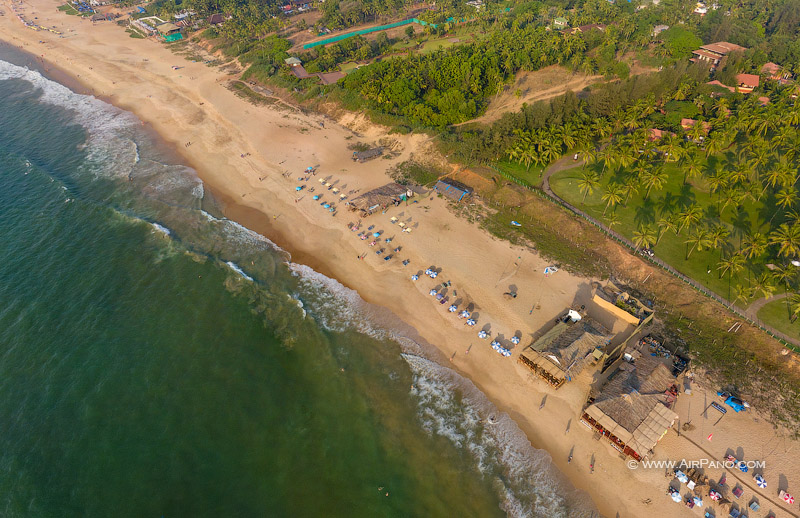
{"points": [[164, 230], [451, 406], [238, 270], [334, 306]]}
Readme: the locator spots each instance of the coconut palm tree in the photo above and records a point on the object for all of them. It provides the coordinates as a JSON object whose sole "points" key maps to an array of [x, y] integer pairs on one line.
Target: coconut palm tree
{"points": [[692, 165], [754, 245], [786, 197], [787, 237], [763, 285], [644, 237], [793, 305], [613, 195], [666, 223], [731, 265], [689, 217], [587, 183], [654, 178], [672, 149], [698, 239]]}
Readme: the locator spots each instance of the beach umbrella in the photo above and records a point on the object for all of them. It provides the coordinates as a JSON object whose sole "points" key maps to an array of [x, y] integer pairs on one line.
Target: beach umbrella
{"points": [[464, 314], [482, 334], [415, 277], [495, 343], [316, 196], [453, 308], [298, 188], [327, 205], [434, 275], [432, 293], [698, 501], [471, 322], [507, 353], [714, 495], [743, 467], [376, 234], [789, 499], [428, 271], [515, 340], [760, 481]]}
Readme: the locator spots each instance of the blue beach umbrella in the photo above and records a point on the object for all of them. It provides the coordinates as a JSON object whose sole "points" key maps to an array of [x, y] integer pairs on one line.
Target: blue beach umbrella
{"points": [[760, 481], [453, 308], [471, 322], [327, 205], [316, 197], [376, 234], [515, 340], [415, 277], [298, 188], [432, 293], [482, 334]]}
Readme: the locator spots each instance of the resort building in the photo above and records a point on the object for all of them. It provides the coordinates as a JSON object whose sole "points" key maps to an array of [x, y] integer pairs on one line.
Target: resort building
{"points": [[776, 72], [714, 52], [654, 134], [169, 31], [565, 350], [658, 29], [632, 411], [746, 83], [560, 23], [452, 189]]}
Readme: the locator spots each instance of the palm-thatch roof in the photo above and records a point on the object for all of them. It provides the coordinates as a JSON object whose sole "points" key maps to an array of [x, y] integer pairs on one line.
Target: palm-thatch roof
{"points": [[563, 351], [379, 197], [631, 406]]}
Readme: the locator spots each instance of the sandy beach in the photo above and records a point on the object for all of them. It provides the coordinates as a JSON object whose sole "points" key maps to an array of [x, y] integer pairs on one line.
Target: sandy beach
{"points": [[251, 156]]}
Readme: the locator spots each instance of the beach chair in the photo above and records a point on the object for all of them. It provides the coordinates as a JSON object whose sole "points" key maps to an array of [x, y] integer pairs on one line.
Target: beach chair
{"points": [[754, 506], [393, 220]]}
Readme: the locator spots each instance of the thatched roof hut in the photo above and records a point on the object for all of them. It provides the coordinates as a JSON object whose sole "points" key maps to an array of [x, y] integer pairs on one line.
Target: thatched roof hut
{"points": [[564, 351], [369, 154], [378, 198], [630, 411]]}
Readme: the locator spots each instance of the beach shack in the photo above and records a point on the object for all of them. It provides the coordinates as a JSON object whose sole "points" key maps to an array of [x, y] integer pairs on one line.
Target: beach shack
{"points": [[169, 31], [622, 304], [379, 199], [566, 349], [363, 156], [452, 189], [631, 411]]}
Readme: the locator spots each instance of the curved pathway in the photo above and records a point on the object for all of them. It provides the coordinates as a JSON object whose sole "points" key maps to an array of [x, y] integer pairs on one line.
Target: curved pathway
{"points": [[756, 306]]}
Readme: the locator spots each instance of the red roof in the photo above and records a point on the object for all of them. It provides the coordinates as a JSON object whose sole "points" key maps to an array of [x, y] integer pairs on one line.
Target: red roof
{"points": [[706, 54], [722, 47], [748, 80], [770, 68]]}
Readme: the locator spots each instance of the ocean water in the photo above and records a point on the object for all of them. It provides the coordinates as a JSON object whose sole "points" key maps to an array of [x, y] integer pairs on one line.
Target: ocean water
{"points": [[159, 360]]}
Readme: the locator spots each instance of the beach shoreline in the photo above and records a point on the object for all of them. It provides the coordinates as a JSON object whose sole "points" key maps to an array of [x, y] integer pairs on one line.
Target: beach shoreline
{"points": [[242, 152]]}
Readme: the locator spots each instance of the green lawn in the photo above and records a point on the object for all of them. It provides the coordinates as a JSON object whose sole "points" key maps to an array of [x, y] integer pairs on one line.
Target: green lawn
{"points": [[67, 8], [776, 315], [533, 175], [672, 248], [348, 67]]}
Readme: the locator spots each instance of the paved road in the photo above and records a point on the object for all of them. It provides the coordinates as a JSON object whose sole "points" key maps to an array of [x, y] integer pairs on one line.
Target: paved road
{"points": [[752, 309]]}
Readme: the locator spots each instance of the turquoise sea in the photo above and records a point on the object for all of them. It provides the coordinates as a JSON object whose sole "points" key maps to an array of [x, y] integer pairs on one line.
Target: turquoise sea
{"points": [[158, 360]]}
